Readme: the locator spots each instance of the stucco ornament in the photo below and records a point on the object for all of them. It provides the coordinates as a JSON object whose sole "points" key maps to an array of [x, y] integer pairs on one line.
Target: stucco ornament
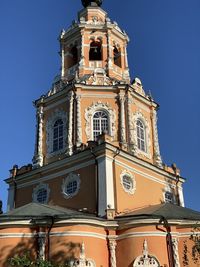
{"points": [[137, 85], [89, 112], [99, 77], [58, 114], [71, 185], [146, 260], [128, 182], [82, 261], [138, 115]]}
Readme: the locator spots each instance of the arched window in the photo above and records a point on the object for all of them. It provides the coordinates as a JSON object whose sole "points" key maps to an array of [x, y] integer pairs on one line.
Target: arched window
{"points": [[100, 123], [95, 51], [117, 56], [74, 53], [141, 139], [58, 141]]}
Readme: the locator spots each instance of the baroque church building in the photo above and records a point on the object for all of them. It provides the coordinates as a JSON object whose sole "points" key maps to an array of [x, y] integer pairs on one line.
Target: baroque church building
{"points": [[97, 193]]}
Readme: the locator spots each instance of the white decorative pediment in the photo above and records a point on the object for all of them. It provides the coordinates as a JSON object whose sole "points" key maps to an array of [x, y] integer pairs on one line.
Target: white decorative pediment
{"points": [[99, 77], [89, 112], [139, 115], [146, 260]]}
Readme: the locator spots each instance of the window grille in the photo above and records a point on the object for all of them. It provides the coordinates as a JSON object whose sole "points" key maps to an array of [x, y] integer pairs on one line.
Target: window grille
{"points": [[141, 142], [58, 138], [100, 123]]}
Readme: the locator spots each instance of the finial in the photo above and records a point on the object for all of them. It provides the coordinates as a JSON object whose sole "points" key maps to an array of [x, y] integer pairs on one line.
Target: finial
{"points": [[87, 3]]}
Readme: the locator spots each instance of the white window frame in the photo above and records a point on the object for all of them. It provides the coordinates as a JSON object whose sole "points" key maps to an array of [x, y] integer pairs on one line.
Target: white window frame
{"points": [[139, 116], [69, 179], [36, 191], [171, 190], [58, 114], [89, 113], [124, 173], [100, 123]]}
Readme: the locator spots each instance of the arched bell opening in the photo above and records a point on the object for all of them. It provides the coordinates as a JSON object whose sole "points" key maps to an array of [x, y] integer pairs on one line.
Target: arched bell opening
{"points": [[117, 56], [95, 51]]}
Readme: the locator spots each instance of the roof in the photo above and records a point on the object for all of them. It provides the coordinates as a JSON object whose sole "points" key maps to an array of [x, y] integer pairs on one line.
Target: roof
{"points": [[36, 210], [164, 210]]}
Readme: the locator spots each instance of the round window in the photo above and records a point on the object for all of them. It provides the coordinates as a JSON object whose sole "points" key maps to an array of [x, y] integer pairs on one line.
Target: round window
{"points": [[128, 182], [42, 195], [71, 185]]}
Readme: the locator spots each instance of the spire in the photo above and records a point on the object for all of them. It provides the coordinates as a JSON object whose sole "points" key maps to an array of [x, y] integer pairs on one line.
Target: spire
{"points": [[87, 3]]}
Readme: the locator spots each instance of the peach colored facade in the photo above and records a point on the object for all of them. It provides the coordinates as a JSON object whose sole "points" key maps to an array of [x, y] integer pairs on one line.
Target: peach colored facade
{"points": [[103, 195]]}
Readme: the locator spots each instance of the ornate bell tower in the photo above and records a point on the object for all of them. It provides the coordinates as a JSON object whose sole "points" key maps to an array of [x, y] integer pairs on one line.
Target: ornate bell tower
{"points": [[94, 44]]}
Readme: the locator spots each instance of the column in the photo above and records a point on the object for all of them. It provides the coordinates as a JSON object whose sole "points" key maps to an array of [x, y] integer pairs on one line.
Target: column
{"points": [[157, 156], [175, 251], [70, 122], [106, 185], [109, 51], [38, 155], [82, 56], [78, 121], [131, 139], [112, 249], [122, 120], [41, 245]]}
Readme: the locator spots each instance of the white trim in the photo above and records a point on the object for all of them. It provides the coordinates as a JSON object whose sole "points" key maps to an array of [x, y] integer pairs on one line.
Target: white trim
{"points": [[130, 175], [57, 174], [70, 178], [135, 117], [58, 114], [106, 186], [39, 187], [89, 112]]}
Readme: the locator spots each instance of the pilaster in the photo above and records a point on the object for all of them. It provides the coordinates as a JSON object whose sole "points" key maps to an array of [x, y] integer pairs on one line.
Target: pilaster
{"points": [[38, 155], [78, 121], [157, 157], [70, 124], [112, 249], [122, 120]]}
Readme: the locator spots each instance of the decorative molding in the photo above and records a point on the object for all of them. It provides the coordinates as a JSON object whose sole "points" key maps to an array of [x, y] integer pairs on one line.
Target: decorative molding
{"points": [[130, 175], [122, 119], [70, 122], [36, 190], [146, 260], [78, 122], [38, 154], [112, 249], [41, 245], [175, 252], [138, 115], [89, 112], [70, 178], [82, 261], [58, 114], [157, 156], [99, 77]]}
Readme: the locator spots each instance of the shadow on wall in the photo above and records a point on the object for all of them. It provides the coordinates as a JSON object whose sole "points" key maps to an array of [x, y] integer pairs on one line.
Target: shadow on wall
{"points": [[65, 251]]}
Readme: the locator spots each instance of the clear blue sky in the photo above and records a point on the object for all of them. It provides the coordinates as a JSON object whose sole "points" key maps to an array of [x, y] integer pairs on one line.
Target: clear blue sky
{"points": [[164, 52]]}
